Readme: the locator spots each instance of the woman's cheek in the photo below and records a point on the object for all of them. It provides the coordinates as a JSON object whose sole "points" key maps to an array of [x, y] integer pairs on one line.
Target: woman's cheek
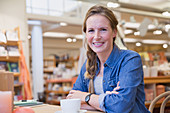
{"points": [[89, 39]]}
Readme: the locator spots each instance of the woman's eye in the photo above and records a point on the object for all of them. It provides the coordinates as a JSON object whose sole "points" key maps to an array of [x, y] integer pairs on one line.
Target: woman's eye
{"points": [[90, 30], [103, 29]]}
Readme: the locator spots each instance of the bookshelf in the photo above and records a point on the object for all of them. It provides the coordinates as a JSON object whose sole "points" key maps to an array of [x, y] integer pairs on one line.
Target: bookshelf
{"points": [[156, 75], [53, 93], [57, 86], [159, 79], [10, 58]]}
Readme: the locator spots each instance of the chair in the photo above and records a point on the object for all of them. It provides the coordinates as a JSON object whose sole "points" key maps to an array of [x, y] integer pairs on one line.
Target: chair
{"points": [[162, 108]]}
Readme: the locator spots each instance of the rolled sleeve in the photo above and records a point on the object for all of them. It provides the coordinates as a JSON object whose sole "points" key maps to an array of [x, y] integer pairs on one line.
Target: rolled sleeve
{"points": [[101, 101]]}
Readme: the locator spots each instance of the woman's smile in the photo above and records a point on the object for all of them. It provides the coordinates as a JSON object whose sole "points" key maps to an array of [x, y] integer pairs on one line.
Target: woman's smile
{"points": [[98, 44]]}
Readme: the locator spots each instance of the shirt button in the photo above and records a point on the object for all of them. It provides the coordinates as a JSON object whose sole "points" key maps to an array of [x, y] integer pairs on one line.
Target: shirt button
{"points": [[105, 65]]}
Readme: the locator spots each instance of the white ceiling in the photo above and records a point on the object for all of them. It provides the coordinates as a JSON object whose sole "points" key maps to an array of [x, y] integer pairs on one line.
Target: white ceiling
{"points": [[139, 9]]}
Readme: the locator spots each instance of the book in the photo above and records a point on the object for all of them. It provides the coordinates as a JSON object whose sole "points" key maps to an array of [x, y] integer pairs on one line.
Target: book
{"points": [[13, 51], [2, 37], [13, 66], [12, 35], [3, 51], [3, 66], [27, 103]]}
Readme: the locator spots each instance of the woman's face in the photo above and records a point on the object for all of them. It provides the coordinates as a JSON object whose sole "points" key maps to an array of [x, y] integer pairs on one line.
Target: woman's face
{"points": [[99, 34]]}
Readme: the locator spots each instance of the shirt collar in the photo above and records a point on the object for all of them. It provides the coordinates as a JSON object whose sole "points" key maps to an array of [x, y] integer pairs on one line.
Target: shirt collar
{"points": [[110, 62], [113, 56]]}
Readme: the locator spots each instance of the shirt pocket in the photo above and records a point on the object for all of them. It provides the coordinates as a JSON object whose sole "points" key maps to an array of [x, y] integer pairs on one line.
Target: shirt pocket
{"points": [[112, 84]]}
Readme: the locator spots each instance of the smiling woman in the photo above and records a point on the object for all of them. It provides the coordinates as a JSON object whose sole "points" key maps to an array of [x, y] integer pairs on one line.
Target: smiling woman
{"points": [[111, 79]]}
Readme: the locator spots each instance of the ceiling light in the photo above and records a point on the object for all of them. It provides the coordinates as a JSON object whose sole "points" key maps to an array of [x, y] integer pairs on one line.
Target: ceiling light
{"points": [[29, 37], [130, 40], [145, 41], [79, 36], [63, 24], [151, 26], [69, 40], [74, 40], [137, 33], [55, 34], [131, 25], [157, 32], [154, 41], [128, 31], [113, 5], [138, 44], [34, 22], [167, 27], [136, 25], [165, 45], [166, 13]]}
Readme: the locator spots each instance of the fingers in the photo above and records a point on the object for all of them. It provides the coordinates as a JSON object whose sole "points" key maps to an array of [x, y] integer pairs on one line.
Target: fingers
{"points": [[118, 84], [108, 92], [117, 87], [112, 92], [72, 91], [115, 92], [69, 96]]}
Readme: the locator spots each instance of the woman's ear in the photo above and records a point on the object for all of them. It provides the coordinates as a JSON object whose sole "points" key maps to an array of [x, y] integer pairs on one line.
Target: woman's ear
{"points": [[114, 33]]}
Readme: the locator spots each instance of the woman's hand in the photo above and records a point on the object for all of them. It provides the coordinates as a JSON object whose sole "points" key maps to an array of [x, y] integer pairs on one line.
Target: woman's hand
{"points": [[114, 90], [77, 94]]}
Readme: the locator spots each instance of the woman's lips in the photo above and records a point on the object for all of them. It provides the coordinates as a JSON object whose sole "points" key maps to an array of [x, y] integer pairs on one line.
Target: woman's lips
{"points": [[98, 44]]}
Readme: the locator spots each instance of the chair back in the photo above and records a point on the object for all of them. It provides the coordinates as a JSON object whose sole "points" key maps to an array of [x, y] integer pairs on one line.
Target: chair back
{"points": [[162, 108]]}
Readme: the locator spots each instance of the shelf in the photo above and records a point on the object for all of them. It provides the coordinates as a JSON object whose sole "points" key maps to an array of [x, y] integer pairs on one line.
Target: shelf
{"points": [[49, 59], [10, 43], [48, 71], [18, 85], [57, 92], [53, 102], [158, 79], [64, 60], [59, 80], [46, 66], [16, 74], [9, 58]]}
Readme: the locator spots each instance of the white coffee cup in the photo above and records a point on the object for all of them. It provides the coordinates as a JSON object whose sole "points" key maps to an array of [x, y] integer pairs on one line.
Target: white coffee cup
{"points": [[70, 105]]}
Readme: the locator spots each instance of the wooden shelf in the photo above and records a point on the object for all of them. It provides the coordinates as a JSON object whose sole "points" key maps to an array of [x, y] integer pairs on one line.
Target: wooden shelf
{"points": [[59, 80], [46, 66], [48, 71], [9, 58], [159, 79], [49, 59], [57, 92], [18, 85], [16, 74], [10, 43]]}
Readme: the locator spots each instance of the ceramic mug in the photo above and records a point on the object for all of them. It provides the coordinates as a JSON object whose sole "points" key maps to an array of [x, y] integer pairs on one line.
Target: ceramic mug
{"points": [[70, 105]]}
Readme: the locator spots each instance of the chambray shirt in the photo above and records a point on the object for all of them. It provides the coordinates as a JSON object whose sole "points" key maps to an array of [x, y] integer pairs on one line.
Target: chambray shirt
{"points": [[124, 66]]}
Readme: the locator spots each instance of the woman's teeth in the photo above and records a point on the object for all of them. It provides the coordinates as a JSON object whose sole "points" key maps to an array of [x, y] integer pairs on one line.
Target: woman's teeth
{"points": [[97, 43]]}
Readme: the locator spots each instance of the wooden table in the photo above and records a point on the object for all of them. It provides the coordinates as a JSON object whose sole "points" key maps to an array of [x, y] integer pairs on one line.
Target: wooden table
{"points": [[46, 108]]}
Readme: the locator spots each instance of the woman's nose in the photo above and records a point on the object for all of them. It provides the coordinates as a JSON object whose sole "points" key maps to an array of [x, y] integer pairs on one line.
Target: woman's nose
{"points": [[97, 35]]}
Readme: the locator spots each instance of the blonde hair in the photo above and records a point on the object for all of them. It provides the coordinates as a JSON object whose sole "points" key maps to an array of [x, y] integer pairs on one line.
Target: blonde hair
{"points": [[91, 65]]}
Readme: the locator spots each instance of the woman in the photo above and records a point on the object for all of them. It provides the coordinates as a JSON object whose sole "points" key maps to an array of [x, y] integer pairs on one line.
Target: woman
{"points": [[111, 80]]}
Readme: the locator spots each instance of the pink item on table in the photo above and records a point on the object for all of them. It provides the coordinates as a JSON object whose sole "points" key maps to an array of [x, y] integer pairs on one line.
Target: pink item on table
{"points": [[5, 102]]}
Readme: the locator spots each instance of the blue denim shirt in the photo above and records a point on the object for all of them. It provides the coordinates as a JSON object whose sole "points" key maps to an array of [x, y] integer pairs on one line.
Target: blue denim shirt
{"points": [[124, 66]]}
